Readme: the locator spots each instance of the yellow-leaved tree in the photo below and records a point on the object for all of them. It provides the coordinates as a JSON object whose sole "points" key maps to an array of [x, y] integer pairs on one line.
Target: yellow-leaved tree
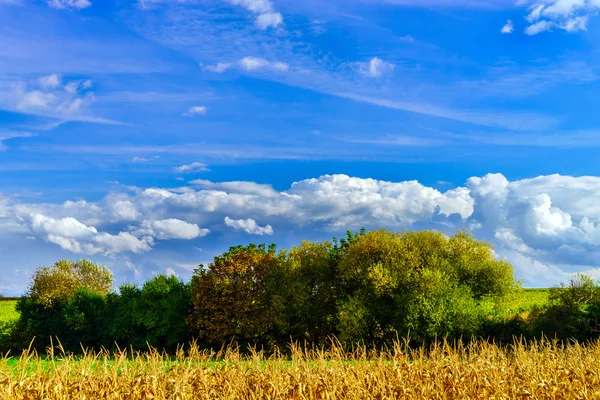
{"points": [[63, 279]]}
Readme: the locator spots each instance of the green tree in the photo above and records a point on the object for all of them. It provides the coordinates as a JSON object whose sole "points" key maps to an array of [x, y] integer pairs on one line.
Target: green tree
{"points": [[422, 283], [165, 303]]}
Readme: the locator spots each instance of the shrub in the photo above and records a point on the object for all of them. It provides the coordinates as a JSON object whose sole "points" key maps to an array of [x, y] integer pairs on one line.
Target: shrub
{"points": [[574, 311]]}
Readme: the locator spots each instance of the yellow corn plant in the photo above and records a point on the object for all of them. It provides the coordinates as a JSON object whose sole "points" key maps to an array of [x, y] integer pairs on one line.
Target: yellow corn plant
{"points": [[479, 370]]}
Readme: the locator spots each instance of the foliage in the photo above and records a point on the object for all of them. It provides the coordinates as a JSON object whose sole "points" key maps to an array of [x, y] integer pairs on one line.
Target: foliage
{"points": [[574, 311], [78, 320], [314, 288], [368, 287], [420, 283], [154, 315], [59, 282], [236, 298]]}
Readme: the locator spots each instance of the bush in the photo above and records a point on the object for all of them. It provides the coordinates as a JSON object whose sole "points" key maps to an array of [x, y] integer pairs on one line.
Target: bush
{"points": [[574, 311]]}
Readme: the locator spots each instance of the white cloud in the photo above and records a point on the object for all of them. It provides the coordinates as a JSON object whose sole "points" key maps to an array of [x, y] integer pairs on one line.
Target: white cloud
{"points": [[545, 225], [49, 82], [375, 67], [271, 19], [193, 167], [266, 16], [143, 159], [79, 4], [241, 187], [538, 27], [249, 64], [12, 135], [170, 229], [219, 67], [508, 27], [249, 226], [74, 236], [122, 209], [568, 15], [124, 242], [196, 110], [49, 96], [253, 64]]}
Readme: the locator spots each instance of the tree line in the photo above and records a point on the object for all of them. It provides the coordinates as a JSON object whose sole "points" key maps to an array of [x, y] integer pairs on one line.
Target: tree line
{"points": [[369, 287]]}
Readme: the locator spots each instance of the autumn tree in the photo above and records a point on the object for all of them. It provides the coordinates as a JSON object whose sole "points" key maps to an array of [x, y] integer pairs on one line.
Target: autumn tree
{"points": [[236, 298]]}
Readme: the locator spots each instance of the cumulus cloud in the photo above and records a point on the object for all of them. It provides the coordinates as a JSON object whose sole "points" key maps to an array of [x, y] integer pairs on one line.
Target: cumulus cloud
{"points": [[375, 67], [508, 27], [170, 229], [249, 226], [196, 110], [568, 15], [79, 4], [74, 236], [250, 64], [545, 225], [266, 16], [193, 167]]}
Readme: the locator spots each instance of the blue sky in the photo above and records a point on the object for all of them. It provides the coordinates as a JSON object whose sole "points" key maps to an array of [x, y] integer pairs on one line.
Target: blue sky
{"points": [[152, 135]]}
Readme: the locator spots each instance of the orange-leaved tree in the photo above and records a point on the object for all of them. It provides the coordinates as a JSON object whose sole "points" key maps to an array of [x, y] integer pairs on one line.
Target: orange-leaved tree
{"points": [[235, 298]]}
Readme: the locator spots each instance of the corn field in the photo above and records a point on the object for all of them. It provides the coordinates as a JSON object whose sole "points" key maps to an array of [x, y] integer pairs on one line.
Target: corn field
{"points": [[478, 371]]}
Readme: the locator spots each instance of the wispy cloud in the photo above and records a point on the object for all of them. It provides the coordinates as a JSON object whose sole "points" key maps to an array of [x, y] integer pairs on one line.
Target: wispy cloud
{"points": [[193, 167], [12, 135], [518, 121], [196, 110], [375, 67], [143, 159], [79, 4], [49, 96], [193, 33], [249, 64]]}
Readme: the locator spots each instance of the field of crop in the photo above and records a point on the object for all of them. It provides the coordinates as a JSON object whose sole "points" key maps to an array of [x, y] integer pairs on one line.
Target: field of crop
{"points": [[527, 299], [480, 370], [7, 310]]}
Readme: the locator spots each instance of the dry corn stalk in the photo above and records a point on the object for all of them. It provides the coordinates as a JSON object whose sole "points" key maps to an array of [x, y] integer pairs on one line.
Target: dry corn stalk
{"points": [[477, 371]]}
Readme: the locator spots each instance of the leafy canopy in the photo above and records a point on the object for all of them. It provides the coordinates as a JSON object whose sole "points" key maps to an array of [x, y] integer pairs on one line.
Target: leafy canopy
{"points": [[62, 280]]}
